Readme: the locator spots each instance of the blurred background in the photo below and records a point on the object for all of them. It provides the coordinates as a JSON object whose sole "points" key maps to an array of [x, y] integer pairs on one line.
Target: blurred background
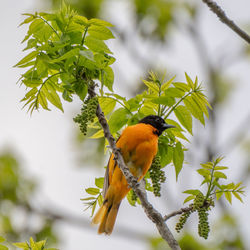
{"points": [[45, 164]]}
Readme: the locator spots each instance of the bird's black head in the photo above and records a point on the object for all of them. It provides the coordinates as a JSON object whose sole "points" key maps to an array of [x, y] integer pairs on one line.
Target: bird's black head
{"points": [[157, 122]]}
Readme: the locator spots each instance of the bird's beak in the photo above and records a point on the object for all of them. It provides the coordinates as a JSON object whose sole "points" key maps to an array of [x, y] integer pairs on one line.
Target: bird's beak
{"points": [[166, 126]]}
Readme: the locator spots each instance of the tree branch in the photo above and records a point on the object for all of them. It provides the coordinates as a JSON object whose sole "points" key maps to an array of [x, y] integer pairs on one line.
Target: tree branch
{"points": [[59, 215], [182, 210], [152, 213], [230, 23]]}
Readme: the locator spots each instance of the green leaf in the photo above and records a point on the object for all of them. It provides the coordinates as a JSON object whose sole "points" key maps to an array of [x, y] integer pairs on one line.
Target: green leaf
{"points": [[189, 81], [237, 185], [208, 165], [35, 26], [237, 196], [100, 22], [67, 96], [31, 83], [179, 134], [151, 85], [165, 152], [93, 208], [194, 109], [147, 110], [27, 58], [98, 134], [107, 104], [164, 100], [2, 247], [81, 20], [100, 200], [166, 84], [189, 198], [51, 95], [206, 180], [228, 196], [27, 20], [218, 194], [182, 86], [100, 32], [81, 89], [178, 158], [71, 53], [174, 93], [2, 239], [204, 172], [116, 96], [99, 182], [22, 245], [218, 174], [108, 78], [192, 191], [229, 186], [220, 168], [41, 99], [201, 101], [88, 198], [87, 54], [118, 119], [96, 45], [92, 191], [32, 92], [184, 116]]}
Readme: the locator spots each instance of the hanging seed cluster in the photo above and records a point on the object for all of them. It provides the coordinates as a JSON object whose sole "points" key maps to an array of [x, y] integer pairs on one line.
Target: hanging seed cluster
{"points": [[201, 206], [203, 226], [157, 175], [182, 221], [88, 112]]}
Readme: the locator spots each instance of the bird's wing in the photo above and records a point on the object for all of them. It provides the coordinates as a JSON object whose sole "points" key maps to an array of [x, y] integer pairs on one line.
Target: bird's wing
{"points": [[109, 171]]}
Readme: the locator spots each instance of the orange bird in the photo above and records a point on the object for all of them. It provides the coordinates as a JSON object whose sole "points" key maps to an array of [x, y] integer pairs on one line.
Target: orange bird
{"points": [[138, 145]]}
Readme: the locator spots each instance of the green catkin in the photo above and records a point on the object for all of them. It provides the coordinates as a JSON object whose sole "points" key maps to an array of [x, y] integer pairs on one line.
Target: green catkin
{"points": [[198, 201], [202, 210], [157, 175], [203, 225], [88, 112], [182, 221]]}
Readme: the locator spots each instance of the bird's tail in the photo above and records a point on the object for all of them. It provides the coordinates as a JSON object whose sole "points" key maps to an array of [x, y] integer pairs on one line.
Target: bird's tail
{"points": [[106, 215]]}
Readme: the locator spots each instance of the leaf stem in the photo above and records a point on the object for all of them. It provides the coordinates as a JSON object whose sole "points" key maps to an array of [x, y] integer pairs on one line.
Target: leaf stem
{"points": [[102, 82], [210, 183], [82, 42], [159, 95], [225, 191], [174, 107], [49, 25], [38, 92], [119, 103], [84, 35]]}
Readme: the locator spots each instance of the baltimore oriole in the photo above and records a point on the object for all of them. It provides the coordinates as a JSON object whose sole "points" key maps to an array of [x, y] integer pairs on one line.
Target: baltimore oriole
{"points": [[138, 144]]}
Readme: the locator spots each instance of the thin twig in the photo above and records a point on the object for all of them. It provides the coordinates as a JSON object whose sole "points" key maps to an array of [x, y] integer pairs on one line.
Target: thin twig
{"points": [[182, 210], [150, 211], [230, 23], [59, 215]]}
